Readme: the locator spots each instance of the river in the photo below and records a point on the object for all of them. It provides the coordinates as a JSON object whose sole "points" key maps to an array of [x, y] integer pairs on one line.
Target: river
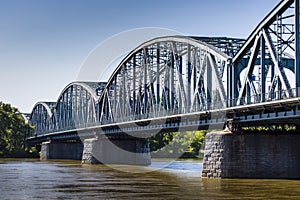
{"points": [[57, 179]]}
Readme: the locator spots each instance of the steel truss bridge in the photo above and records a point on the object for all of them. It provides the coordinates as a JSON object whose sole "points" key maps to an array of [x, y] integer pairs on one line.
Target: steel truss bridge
{"points": [[187, 83]]}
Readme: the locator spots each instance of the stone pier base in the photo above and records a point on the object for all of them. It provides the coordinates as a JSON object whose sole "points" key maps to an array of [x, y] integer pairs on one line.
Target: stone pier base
{"points": [[131, 151], [61, 150], [251, 156]]}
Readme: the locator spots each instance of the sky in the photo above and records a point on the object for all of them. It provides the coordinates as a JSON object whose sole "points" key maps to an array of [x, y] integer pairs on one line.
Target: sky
{"points": [[44, 44]]}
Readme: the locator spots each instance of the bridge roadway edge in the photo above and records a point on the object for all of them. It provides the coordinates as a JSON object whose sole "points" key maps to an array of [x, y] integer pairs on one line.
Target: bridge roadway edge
{"points": [[257, 155]]}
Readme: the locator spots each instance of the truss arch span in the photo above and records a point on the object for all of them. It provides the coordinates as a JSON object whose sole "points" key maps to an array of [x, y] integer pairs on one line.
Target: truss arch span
{"points": [[77, 105], [41, 115], [268, 57], [166, 76]]}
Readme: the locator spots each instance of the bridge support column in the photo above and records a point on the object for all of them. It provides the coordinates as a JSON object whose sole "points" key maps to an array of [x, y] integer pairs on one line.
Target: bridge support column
{"points": [[258, 155], [61, 150], [130, 151]]}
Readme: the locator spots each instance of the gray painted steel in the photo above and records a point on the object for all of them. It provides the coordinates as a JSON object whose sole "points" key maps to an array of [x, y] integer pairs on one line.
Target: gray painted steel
{"points": [[182, 77]]}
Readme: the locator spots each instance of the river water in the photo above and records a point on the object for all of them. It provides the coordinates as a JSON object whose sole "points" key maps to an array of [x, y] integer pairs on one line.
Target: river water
{"points": [[57, 179]]}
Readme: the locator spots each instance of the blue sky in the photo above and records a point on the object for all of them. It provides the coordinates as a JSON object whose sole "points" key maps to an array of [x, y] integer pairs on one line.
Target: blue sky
{"points": [[44, 43]]}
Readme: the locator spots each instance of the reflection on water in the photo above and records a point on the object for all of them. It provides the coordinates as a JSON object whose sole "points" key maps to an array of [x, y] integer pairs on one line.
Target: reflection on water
{"points": [[32, 179]]}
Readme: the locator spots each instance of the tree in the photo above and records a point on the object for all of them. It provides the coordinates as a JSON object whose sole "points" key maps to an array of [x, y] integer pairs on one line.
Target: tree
{"points": [[13, 131], [172, 144], [197, 141]]}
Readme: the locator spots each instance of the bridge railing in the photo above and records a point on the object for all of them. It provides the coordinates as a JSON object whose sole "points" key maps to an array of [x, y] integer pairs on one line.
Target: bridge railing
{"points": [[207, 107], [264, 97]]}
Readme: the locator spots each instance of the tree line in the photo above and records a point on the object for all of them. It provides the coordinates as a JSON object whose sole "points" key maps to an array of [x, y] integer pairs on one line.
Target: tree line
{"points": [[187, 144], [13, 131]]}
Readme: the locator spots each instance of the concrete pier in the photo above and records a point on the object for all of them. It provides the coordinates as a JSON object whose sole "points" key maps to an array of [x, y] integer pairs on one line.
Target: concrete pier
{"points": [[61, 150], [255, 155], [130, 151]]}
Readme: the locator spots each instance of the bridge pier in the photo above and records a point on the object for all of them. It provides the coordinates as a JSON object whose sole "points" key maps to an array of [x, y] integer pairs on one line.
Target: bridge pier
{"points": [[61, 150], [116, 150], [255, 155]]}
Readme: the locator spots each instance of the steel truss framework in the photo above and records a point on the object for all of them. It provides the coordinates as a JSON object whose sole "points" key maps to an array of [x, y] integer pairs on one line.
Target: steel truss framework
{"points": [[180, 75], [76, 106], [41, 116], [266, 66], [165, 76]]}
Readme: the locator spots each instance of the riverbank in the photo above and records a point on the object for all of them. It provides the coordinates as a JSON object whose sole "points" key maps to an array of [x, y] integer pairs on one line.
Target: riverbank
{"points": [[21, 155]]}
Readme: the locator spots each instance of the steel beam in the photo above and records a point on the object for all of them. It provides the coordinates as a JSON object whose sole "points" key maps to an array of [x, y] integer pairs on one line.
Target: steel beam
{"points": [[297, 46]]}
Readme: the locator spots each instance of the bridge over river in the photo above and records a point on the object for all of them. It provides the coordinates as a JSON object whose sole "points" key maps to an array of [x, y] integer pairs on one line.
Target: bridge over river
{"points": [[182, 83]]}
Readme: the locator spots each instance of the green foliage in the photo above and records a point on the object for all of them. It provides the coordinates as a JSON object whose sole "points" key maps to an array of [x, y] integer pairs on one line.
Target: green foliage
{"points": [[160, 140], [271, 129], [173, 144], [197, 141], [13, 131]]}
